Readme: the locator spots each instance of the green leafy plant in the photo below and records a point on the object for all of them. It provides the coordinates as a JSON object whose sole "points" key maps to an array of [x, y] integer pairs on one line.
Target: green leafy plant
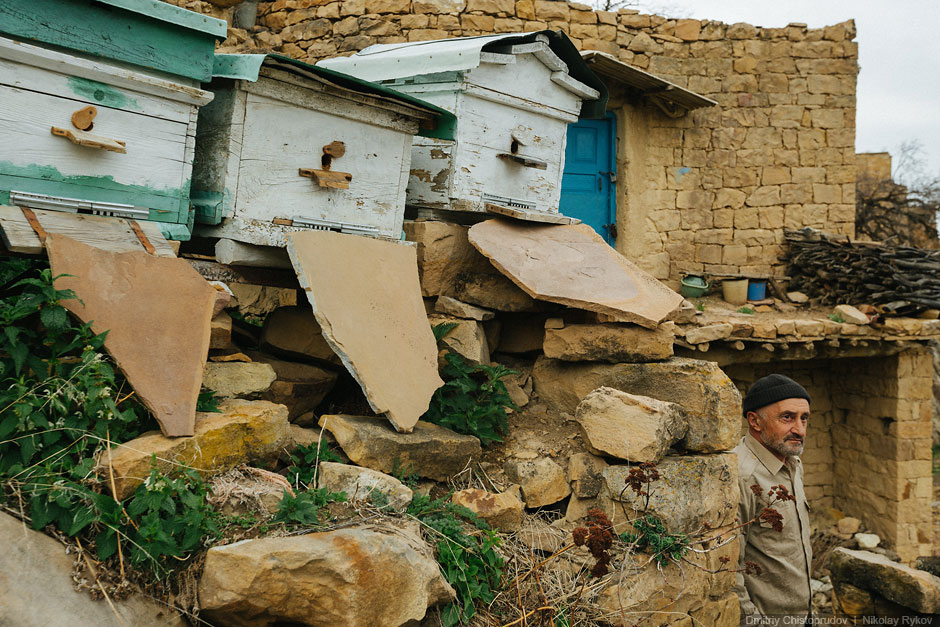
{"points": [[303, 508], [699, 306], [473, 401], [836, 317], [208, 401], [747, 310], [651, 536], [405, 473], [469, 563], [255, 321], [442, 329], [303, 462]]}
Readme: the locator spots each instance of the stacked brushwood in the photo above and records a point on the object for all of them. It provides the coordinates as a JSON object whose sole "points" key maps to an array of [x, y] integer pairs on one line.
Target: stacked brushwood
{"points": [[898, 280]]}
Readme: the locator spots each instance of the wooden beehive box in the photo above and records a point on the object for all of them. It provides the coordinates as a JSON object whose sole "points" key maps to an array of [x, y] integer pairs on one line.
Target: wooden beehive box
{"points": [[98, 106], [513, 96], [289, 146]]}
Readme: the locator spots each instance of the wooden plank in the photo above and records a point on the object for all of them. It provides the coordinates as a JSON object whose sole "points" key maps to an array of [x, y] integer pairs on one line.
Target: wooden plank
{"points": [[530, 216], [327, 178], [111, 234]]}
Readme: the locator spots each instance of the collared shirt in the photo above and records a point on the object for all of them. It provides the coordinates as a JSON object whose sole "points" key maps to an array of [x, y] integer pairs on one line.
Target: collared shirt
{"points": [[784, 557]]}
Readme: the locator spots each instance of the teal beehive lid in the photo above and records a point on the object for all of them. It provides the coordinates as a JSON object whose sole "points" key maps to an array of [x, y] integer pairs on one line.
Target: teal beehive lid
{"points": [[149, 34]]}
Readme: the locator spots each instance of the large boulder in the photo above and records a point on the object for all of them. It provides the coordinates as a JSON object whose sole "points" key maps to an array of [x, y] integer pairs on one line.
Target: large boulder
{"points": [[237, 379], [344, 578], [543, 482], [428, 451], [244, 431], [906, 586], [691, 491], [362, 484], [608, 342], [36, 588], [700, 387], [629, 427]]}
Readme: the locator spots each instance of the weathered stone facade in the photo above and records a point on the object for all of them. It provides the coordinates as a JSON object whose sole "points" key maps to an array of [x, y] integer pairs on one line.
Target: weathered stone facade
{"points": [[709, 192], [868, 447]]}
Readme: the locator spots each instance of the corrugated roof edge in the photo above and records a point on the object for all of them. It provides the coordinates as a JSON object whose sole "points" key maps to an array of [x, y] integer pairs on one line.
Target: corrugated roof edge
{"points": [[247, 67], [175, 15]]}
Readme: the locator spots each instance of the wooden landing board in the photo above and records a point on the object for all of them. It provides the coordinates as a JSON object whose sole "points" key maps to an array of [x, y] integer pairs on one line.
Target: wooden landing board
{"points": [[530, 216], [112, 234]]}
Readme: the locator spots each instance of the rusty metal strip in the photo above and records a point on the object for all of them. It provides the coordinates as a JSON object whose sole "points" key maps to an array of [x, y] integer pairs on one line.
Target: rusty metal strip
{"points": [[142, 237], [34, 222]]}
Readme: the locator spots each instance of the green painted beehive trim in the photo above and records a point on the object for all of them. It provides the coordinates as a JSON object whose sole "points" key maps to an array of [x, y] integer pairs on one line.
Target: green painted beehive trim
{"points": [[147, 33]]}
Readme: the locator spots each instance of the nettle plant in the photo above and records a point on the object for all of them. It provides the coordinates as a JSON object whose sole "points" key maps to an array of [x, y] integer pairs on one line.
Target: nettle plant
{"points": [[62, 403], [473, 399]]}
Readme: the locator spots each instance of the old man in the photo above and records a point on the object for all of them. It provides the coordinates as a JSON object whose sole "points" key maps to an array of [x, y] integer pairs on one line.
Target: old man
{"points": [[775, 548]]}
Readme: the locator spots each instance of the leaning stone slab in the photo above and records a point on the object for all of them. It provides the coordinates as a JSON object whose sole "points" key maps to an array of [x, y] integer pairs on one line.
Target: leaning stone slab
{"points": [[914, 589], [629, 427], [572, 265], [502, 511], [608, 342], [692, 490], [700, 387], [36, 588], [238, 379], [157, 313], [245, 431], [359, 484], [381, 577], [428, 451]]}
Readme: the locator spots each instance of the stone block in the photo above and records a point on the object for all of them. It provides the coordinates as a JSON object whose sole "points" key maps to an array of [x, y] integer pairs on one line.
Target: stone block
{"points": [[607, 342], [501, 511], [444, 252], [585, 474], [914, 589], [220, 331], [428, 451], [850, 314], [293, 333], [629, 427], [548, 10], [543, 482], [454, 307], [238, 379], [709, 333], [243, 432], [692, 491], [467, 338], [359, 484], [700, 387]]}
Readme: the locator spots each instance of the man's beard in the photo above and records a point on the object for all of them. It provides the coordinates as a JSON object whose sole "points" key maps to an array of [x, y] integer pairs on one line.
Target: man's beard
{"points": [[786, 447]]}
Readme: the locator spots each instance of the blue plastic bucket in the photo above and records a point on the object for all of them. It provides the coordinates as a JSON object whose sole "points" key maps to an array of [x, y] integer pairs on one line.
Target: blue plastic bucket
{"points": [[756, 290]]}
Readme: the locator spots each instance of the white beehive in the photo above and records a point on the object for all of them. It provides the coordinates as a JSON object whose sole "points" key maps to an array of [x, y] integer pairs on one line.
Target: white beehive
{"points": [[288, 146], [513, 95]]}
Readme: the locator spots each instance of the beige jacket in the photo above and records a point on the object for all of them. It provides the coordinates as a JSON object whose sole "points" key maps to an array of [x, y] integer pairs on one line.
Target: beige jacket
{"points": [[784, 557]]}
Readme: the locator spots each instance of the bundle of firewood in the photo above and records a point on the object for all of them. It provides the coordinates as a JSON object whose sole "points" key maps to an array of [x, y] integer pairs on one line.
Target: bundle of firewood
{"points": [[832, 269]]}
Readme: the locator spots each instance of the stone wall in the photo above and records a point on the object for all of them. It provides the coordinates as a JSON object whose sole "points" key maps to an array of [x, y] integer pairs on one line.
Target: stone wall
{"points": [[709, 192], [868, 449]]}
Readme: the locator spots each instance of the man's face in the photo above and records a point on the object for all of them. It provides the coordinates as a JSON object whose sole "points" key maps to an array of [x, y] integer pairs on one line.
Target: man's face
{"points": [[781, 427]]}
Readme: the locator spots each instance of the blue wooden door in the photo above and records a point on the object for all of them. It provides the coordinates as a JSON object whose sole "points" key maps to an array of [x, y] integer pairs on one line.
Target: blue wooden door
{"points": [[589, 181]]}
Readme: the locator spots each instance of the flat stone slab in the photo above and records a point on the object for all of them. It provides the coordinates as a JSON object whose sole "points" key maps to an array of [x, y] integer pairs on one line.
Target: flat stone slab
{"points": [[157, 313], [366, 298], [912, 588], [428, 451], [238, 379], [573, 266], [243, 432], [615, 343]]}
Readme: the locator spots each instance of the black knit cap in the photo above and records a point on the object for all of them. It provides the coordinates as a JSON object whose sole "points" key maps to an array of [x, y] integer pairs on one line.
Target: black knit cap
{"points": [[770, 389]]}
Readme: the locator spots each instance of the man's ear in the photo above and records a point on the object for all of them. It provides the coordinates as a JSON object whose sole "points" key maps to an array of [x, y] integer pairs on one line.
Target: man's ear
{"points": [[753, 421]]}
